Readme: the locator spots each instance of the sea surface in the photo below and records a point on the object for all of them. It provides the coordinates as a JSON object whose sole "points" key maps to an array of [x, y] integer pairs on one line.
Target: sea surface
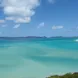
{"points": [[38, 58]]}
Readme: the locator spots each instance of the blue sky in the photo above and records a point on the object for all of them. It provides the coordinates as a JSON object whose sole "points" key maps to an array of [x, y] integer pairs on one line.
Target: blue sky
{"points": [[39, 18]]}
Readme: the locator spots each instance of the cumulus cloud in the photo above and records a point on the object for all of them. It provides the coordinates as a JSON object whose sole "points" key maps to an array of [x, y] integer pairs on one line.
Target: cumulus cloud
{"points": [[57, 27], [9, 18], [2, 21], [19, 19], [41, 25], [23, 20], [17, 26], [20, 10]]}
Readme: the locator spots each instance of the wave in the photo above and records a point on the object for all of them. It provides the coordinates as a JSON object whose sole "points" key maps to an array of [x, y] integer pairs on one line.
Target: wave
{"points": [[76, 40]]}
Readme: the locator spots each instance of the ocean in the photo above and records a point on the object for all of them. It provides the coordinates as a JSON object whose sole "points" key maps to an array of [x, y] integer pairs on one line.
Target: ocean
{"points": [[38, 58]]}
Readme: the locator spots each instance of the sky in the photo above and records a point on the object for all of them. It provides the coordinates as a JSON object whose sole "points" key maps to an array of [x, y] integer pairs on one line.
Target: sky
{"points": [[38, 18]]}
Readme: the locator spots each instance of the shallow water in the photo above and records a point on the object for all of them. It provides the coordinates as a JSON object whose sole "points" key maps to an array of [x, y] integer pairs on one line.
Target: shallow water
{"points": [[38, 58]]}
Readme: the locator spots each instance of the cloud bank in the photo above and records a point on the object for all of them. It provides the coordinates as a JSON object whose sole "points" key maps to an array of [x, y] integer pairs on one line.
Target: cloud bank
{"points": [[20, 10]]}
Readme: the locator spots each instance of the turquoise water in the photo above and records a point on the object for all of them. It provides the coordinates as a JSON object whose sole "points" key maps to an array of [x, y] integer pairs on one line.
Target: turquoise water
{"points": [[38, 58]]}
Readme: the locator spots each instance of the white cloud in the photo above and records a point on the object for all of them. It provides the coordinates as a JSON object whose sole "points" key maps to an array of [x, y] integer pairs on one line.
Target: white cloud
{"points": [[57, 27], [23, 20], [17, 26], [52, 1], [9, 18], [41, 25], [2, 21], [19, 19], [20, 9]]}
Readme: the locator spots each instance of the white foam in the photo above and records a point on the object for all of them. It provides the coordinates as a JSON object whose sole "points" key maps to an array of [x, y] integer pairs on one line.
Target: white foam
{"points": [[76, 40]]}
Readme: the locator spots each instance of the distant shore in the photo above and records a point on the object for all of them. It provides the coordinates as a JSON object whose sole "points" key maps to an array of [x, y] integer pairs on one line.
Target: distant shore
{"points": [[36, 37]]}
